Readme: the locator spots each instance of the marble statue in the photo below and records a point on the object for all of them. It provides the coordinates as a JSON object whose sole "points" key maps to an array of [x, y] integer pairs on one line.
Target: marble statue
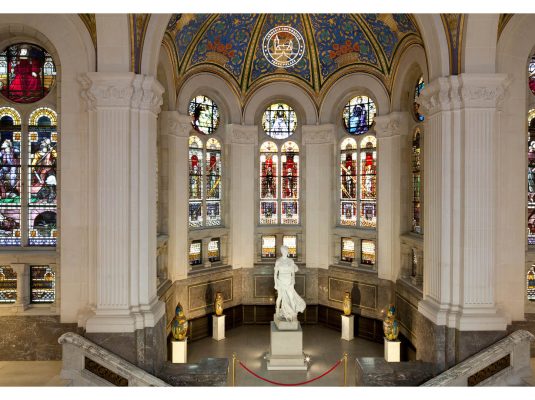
{"points": [[288, 303]]}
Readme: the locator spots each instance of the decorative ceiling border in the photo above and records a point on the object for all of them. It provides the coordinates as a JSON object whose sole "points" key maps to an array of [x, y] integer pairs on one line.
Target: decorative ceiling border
{"points": [[90, 23], [454, 29], [504, 19], [138, 27]]}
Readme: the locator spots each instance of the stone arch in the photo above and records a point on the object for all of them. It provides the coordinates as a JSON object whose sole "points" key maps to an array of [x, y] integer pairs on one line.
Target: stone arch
{"points": [[435, 43], [412, 65], [480, 43], [153, 43]]}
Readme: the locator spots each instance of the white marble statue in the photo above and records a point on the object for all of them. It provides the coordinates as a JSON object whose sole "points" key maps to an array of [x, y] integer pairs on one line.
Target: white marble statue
{"points": [[289, 303]]}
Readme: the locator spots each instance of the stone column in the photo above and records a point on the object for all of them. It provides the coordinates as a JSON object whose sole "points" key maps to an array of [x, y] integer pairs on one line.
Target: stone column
{"points": [[125, 108], [318, 143], [390, 130], [177, 128], [243, 214], [23, 286]]}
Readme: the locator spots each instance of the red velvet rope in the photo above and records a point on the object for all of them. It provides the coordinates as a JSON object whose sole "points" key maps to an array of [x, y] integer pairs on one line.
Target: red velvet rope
{"points": [[291, 384]]}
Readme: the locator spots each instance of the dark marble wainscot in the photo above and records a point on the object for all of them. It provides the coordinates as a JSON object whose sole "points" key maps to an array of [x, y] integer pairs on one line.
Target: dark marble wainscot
{"points": [[209, 372], [31, 338], [372, 371]]}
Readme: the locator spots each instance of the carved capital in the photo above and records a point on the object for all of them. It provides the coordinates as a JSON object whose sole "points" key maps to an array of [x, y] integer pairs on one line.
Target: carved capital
{"points": [[393, 124], [318, 134], [243, 134], [436, 96], [152, 97], [101, 89], [483, 90], [176, 124]]}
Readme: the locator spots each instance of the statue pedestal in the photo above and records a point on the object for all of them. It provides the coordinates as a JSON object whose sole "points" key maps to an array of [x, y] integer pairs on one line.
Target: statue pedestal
{"points": [[286, 352], [348, 324], [179, 351], [284, 325], [392, 350], [218, 327]]}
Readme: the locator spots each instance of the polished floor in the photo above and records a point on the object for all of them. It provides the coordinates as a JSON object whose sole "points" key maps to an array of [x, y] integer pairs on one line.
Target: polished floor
{"points": [[30, 373], [251, 343]]}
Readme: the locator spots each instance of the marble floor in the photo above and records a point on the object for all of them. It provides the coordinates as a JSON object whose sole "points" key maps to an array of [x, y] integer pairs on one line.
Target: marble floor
{"points": [[30, 373], [251, 343]]}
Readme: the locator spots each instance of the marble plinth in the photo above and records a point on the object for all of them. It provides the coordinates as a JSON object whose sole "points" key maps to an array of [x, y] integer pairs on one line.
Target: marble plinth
{"points": [[284, 325], [348, 324], [371, 371], [392, 350], [286, 351], [179, 351], [218, 327]]}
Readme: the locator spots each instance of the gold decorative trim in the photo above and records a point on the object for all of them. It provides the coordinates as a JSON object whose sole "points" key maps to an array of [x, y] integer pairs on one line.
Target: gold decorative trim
{"points": [[271, 276], [90, 23], [504, 19], [357, 283], [206, 284]]}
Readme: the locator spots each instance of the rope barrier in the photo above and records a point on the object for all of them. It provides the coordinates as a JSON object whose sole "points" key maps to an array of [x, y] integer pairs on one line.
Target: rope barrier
{"points": [[290, 384]]}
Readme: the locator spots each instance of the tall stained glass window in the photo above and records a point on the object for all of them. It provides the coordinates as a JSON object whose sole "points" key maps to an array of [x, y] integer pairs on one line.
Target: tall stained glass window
{"points": [[416, 182], [268, 246], [358, 182], [358, 115], [417, 90], [214, 250], [27, 73], [531, 178], [205, 189], [367, 253], [347, 249], [42, 178], [204, 114], [279, 121], [290, 241], [531, 72], [8, 284], [42, 284], [195, 252], [10, 174], [279, 197], [530, 283]]}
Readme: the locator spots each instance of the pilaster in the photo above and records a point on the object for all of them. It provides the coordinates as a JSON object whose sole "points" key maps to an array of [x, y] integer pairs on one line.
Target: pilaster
{"points": [[318, 143], [23, 286]]}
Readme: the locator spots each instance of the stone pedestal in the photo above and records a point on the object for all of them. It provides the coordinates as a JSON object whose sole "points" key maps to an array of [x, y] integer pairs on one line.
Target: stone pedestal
{"points": [[284, 325], [179, 351], [348, 323], [286, 352], [392, 350], [218, 327]]}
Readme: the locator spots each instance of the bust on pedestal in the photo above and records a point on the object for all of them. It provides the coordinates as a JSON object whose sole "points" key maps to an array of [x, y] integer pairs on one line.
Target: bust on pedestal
{"points": [[286, 352]]}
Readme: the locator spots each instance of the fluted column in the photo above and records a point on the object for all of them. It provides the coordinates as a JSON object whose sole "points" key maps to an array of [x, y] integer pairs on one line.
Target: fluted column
{"points": [[177, 128], [389, 129], [243, 216], [123, 107], [318, 145]]}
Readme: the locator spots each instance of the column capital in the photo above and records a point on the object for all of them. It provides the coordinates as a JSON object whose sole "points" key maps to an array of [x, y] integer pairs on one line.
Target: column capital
{"points": [[318, 134], [393, 124], [107, 89], [483, 90], [243, 134], [176, 124], [440, 95], [148, 94]]}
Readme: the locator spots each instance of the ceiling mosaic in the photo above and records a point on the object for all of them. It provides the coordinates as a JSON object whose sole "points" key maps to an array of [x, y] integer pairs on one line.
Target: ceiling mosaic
{"points": [[335, 44]]}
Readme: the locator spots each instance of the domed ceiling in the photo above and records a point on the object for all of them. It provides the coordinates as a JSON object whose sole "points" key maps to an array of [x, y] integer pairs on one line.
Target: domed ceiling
{"points": [[335, 44]]}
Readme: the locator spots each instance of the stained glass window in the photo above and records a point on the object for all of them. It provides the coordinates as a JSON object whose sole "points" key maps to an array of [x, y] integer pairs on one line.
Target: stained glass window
{"points": [[214, 250], [287, 201], [42, 284], [10, 173], [417, 90], [531, 177], [368, 182], [8, 284], [530, 283], [42, 146], [195, 252], [204, 114], [367, 253], [416, 182], [348, 182], [213, 182], [268, 246], [358, 115], [348, 249], [531, 72], [290, 241], [279, 121], [27, 73]]}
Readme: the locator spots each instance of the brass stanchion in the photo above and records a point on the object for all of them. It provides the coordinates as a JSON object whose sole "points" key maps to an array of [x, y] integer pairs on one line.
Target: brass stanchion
{"points": [[234, 358], [345, 369]]}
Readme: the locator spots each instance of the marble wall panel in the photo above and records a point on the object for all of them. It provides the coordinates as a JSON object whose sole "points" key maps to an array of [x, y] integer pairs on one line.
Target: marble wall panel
{"points": [[264, 286], [202, 295]]}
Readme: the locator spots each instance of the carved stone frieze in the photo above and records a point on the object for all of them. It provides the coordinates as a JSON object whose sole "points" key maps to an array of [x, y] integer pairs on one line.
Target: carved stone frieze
{"points": [[435, 96], [483, 90], [243, 134], [393, 124], [318, 134], [107, 89]]}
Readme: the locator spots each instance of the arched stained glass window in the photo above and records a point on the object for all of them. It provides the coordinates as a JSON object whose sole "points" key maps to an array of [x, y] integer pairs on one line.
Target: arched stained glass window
{"points": [[348, 182], [204, 114], [42, 178], [269, 161], [279, 121], [417, 90], [27, 73], [368, 182], [416, 182], [358, 115], [205, 188], [531, 177], [290, 183], [10, 174], [531, 72]]}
